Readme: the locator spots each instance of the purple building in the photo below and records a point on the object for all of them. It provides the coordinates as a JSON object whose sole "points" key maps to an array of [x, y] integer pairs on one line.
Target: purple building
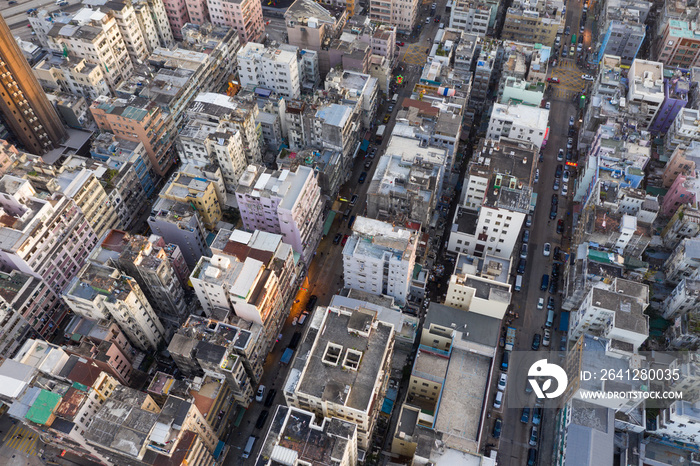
{"points": [[676, 90]]}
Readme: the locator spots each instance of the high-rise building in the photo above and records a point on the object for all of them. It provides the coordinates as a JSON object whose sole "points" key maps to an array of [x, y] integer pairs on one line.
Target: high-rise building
{"points": [[24, 107]]}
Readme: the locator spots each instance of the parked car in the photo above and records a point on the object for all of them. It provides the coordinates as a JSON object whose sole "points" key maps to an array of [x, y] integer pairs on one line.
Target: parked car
{"points": [[337, 238], [558, 172], [498, 401], [563, 53], [555, 186], [363, 177], [497, 429], [555, 199], [560, 155], [564, 189], [565, 178], [536, 340], [570, 143], [368, 165], [311, 303], [526, 236], [259, 394], [502, 382], [553, 212], [540, 303], [353, 200], [528, 220], [537, 415], [537, 175], [560, 226], [523, 251], [553, 80], [562, 343], [260, 423], [546, 337], [345, 240], [534, 436], [525, 417], [547, 105], [521, 266], [270, 397], [571, 121], [547, 249], [532, 457], [400, 44], [551, 303]]}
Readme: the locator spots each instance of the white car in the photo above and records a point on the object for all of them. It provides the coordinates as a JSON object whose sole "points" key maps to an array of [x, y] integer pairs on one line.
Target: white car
{"points": [[587, 77], [547, 249], [569, 143], [560, 155], [540, 304], [547, 105], [294, 322], [260, 393], [564, 189], [547, 337], [502, 381], [537, 175], [565, 178]]}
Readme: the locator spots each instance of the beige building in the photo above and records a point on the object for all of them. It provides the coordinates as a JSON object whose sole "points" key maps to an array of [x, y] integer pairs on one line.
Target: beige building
{"points": [[346, 371], [198, 192], [480, 294], [534, 24], [400, 13], [72, 75]]}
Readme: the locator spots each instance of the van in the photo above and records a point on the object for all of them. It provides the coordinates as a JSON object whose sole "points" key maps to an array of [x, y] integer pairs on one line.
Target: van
{"points": [[518, 282], [249, 446], [442, 26], [504, 361], [550, 319], [395, 98], [545, 282], [498, 401], [351, 222], [303, 317]]}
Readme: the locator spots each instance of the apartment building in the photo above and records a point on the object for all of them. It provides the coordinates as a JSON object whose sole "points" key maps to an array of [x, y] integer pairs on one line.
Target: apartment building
{"points": [[683, 261], [676, 89], [678, 43], [81, 184], [224, 351], [95, 36], [153, 21], [139, 120], [496, 198], [358, 88], [518, 122], [407, 182], [379, 258], [684, 224], [615, 313], [180, 224], [344, 346], [198, 192], [25, 109], [175, 433], [233, 113], [275, 69], [622, 39], [684, 298], [45, 237], [298, 433], [473, 16], [29, 308], [127, 176], [536, 23], [685, 130], [72, 75], [487, 292], [245, 16], [103, 292], [249, 275], [283, 202], [646, 91], [400, 13]]}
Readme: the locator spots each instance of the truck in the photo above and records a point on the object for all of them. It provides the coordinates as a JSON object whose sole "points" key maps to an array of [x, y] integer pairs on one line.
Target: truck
{"points": [[510, 339], [380, 134], [533, 203], [287, 356], [395, 99]]}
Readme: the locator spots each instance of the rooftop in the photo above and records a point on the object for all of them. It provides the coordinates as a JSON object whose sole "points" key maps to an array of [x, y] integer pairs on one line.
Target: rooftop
{"points": [[352, 339], [629, 312], [96, 279], [474, 327]]}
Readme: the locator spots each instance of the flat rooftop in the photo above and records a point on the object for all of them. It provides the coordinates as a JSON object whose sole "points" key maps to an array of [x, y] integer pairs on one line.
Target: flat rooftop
{"points": [[334, 383], [463, 396], [479, 328]]}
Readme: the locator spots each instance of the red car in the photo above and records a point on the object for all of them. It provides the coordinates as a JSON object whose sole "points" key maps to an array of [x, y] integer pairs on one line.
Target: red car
{"points": [[345, 240], [553, 80], [400, 44]]}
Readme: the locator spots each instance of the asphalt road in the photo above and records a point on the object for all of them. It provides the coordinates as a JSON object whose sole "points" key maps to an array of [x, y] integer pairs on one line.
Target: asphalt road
{"points": [[513, 444]]}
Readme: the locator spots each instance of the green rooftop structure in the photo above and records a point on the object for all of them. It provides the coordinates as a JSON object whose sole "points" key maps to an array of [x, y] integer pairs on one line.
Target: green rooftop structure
{"points": [[43, 408]]}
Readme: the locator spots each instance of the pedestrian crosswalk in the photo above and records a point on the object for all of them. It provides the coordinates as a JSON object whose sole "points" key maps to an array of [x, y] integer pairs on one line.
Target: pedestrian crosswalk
{"points": [[21, 439]]}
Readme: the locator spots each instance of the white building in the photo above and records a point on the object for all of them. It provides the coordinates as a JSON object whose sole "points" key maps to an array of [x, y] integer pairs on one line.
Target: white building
{"points": [[379, 258], [518, 122], [471, 16], [616, 313], [275, 69], [496, 197], [400, 13], [102, 292], [684, 297], [684, 130], [180, 224], [347, 368], [283, 202], [646, 91], [73, 76], [684, 262], [485, 292]]}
